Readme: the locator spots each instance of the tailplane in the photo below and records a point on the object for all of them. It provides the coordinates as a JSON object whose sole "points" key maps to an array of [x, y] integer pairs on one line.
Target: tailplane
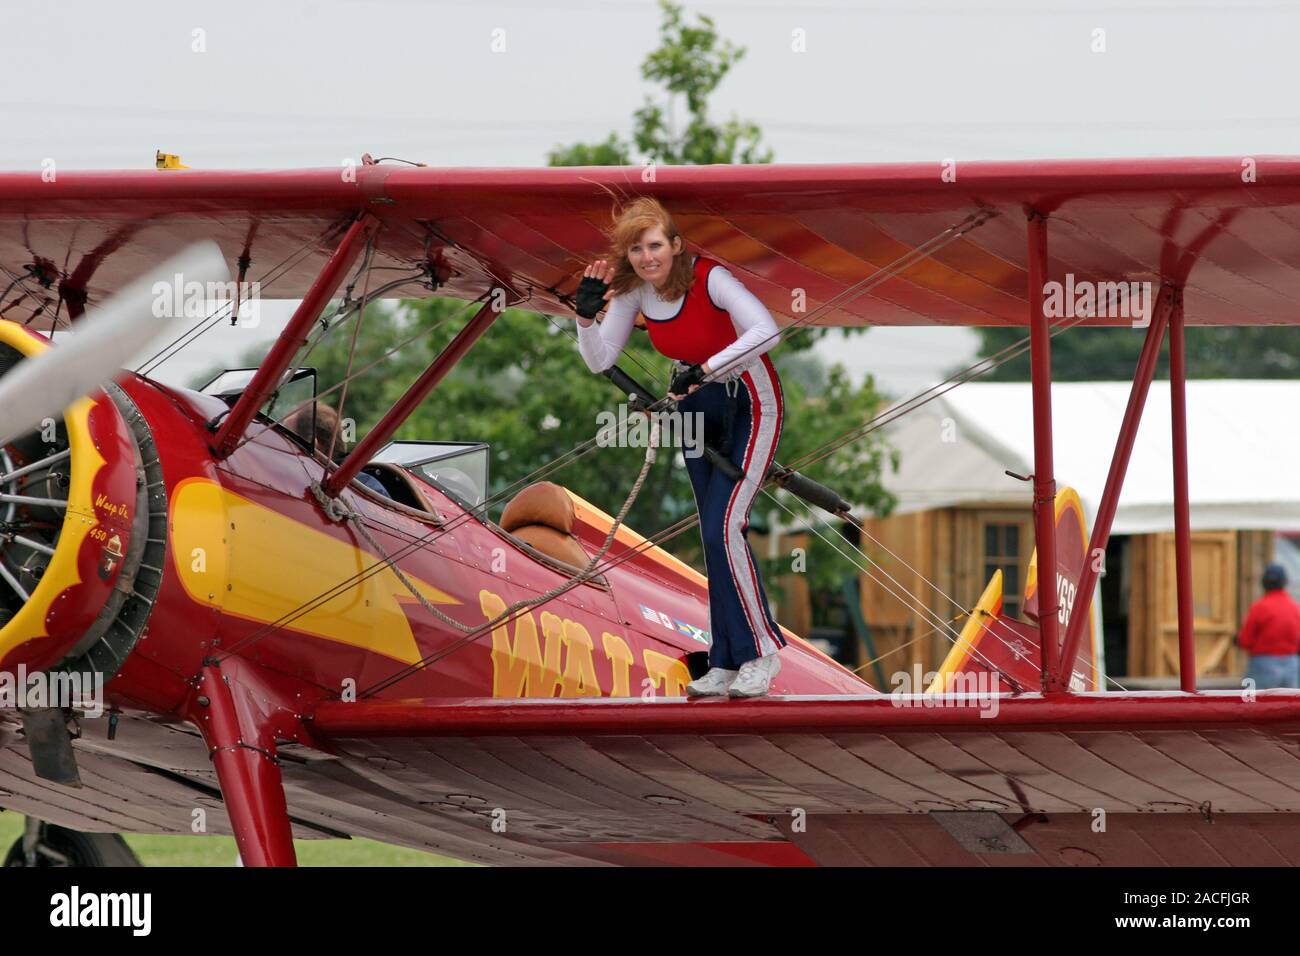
{"points": [[992, 643]]}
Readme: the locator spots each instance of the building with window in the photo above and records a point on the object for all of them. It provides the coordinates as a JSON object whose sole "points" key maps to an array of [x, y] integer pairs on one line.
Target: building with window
{"points": [[964, 511]]}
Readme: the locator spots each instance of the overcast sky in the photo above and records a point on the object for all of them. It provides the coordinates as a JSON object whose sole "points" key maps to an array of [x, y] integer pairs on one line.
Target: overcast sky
{"points": [[313, 83]]}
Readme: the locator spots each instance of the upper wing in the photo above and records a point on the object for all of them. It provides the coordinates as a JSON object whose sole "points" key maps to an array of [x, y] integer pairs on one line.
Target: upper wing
{"points": [[936, 244]]}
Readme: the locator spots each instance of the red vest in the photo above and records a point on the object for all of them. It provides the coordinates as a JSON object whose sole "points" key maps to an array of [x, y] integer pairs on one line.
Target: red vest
{"points": [[700, 329]]}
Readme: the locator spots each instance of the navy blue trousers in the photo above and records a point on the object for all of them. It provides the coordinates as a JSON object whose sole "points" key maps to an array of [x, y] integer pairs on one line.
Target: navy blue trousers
{"points": [[742, 626]]}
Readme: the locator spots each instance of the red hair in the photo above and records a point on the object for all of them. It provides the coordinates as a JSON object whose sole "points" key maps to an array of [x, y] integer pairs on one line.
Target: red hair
{"points": [[629, 222]]}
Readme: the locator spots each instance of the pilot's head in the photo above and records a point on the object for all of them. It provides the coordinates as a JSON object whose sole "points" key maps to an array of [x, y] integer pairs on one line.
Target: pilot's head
{"points": [[319, 432]]}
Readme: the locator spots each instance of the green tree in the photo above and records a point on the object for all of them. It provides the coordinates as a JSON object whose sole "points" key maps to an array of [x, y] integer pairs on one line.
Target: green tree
{"points": [[1110, 354], [525, 389], [612, 152], [690, 62]]}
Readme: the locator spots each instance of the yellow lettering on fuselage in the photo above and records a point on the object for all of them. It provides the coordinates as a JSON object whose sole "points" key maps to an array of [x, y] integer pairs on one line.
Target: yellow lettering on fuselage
{"points": [[521, 668], [620, 663], [553, 680], [518, 668], [669, 671], [579, 669]]}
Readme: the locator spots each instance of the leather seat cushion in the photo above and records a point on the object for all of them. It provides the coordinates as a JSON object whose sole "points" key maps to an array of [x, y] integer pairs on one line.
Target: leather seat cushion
{"points": [[542, 503], [562, 547]]}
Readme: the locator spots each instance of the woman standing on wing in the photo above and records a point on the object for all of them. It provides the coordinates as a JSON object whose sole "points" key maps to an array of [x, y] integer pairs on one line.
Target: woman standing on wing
{"points": [[701, 315]]}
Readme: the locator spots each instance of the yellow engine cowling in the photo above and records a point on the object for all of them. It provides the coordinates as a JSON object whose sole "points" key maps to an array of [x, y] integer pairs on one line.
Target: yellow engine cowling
{"points": [[73, 524]]}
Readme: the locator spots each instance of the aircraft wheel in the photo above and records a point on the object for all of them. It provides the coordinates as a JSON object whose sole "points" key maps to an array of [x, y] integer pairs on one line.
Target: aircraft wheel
{"points": [[58, 846]]}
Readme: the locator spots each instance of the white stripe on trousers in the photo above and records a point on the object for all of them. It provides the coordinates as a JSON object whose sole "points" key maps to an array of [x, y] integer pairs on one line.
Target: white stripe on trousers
{"points": [[763, 434]]}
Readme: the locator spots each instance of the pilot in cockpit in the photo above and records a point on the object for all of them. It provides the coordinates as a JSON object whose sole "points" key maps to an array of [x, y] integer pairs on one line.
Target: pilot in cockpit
{"points": [[300, 422]]}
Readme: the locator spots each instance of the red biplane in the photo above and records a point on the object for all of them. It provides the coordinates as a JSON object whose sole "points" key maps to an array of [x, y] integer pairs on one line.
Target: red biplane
{"points": [[298, 655]]}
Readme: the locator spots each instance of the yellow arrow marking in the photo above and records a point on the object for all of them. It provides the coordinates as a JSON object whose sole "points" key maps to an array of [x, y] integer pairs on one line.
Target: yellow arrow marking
{"points": [[273, 565]]}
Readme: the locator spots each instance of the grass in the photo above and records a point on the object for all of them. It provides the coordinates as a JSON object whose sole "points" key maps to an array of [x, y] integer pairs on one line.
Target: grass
{"points": [[220, 850]]}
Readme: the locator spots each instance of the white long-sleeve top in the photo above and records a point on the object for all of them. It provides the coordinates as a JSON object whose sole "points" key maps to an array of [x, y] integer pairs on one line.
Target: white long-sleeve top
{"points": [[601, 343]]}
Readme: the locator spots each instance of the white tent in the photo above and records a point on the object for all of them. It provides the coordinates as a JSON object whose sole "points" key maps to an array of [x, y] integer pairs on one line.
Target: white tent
{"points": [[1243, 458]]}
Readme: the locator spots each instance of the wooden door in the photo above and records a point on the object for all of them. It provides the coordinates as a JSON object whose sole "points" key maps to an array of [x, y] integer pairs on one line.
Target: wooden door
{"points": [[1153, 636]]}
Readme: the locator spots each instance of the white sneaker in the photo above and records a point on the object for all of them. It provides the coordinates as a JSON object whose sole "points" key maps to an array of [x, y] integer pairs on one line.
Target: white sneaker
{"points": [[755, 676], [712, 684]]}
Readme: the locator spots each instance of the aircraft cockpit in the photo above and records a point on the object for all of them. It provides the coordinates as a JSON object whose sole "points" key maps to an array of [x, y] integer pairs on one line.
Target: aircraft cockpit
{"points": [[458, 469], [293, 394]]}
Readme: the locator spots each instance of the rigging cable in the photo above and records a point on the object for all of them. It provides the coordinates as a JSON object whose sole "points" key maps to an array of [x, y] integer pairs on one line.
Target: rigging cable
{"points": [[1004, 354], [895, 412], [942, 238], [371, 245]]}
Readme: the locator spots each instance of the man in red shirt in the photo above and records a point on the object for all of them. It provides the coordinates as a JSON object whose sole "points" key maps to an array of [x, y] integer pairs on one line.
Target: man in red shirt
{"points": [[1271, 634]]}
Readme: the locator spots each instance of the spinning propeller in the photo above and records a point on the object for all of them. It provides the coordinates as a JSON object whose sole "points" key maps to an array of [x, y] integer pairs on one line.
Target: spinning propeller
{"points": [[44, 385]]}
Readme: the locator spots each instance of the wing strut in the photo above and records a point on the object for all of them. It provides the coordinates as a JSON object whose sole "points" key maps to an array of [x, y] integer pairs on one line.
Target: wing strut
{"points": [[1182, 505], [1145, 371], [1040, 375], [498, 298], [267, 379], [241, 743]]}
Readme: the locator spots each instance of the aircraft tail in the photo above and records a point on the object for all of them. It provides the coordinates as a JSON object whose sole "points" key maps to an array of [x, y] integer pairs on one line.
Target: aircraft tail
{"points": [[992, 643]]}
